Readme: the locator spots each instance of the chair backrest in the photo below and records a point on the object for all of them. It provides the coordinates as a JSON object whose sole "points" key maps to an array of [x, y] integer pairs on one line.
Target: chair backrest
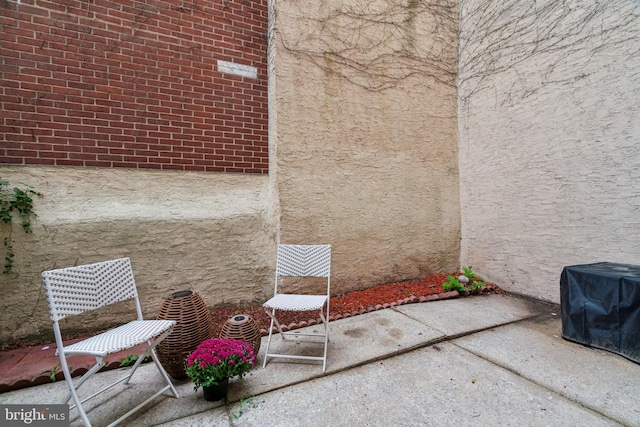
{"points": [[298, 261], [303, 261], [74, 290]]}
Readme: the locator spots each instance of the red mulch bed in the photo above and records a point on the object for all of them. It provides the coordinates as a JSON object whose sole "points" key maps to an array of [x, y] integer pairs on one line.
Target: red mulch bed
{"points": [[351, 303], [348, 304]]}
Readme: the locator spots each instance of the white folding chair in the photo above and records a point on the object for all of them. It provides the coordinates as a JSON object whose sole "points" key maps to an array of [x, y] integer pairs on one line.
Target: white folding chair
{"points": [[75, 290], [300, 261]]}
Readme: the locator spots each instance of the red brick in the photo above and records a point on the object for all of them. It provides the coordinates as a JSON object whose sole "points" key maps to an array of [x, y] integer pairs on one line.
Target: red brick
{"points": [[94, 85]]}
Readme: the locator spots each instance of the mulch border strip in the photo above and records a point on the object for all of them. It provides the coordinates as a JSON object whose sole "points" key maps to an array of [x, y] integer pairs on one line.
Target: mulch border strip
{"points": [[43, 378]]}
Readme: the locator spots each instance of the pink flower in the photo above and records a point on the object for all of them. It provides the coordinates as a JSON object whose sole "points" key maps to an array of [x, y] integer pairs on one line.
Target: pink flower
{"points": [[217, 359]]}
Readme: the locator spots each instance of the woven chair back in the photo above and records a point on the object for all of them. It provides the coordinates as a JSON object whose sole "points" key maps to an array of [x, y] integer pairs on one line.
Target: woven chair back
{"points": [[74, 290], [303, 261]]}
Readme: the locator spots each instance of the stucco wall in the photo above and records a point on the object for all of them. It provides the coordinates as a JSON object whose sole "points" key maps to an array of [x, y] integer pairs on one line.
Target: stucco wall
{"points": [[182, 230], [362, 156], [549, 130], [365, 139]]}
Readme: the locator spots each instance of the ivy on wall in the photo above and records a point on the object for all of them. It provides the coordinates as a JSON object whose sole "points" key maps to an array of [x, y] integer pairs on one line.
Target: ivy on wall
{"points": [[563, 37], [15, 202], [376, 45]]}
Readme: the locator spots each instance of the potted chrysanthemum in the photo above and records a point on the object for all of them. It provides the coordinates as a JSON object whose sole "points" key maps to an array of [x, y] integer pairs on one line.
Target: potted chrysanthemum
{"points": [[216, 360]]}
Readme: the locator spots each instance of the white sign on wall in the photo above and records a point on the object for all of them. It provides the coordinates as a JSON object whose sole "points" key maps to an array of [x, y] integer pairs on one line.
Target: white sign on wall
{"points": [[237, 69]]}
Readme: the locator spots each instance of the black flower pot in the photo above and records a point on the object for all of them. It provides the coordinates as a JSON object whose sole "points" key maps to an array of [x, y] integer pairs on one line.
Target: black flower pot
{"points": [[216, 392]]}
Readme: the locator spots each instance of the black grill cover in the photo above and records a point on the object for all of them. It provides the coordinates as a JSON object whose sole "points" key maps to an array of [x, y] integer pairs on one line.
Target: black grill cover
{"points": [[601, 307]]}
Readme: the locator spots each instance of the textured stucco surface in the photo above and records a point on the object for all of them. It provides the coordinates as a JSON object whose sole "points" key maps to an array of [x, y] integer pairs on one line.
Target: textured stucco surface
{"points": [[369, 170], [549, 130], [530, 162], [200, 231], [363, 159]]}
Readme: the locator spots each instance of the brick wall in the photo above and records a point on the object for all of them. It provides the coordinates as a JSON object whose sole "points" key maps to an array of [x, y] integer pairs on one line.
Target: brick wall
{"points": [[134, 84]]}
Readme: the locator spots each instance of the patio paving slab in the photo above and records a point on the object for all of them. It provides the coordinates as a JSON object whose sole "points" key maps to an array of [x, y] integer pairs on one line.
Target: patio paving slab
{"points": [[411, 365], [535, 350], [441, 385], [460, 316], [353, 341]]}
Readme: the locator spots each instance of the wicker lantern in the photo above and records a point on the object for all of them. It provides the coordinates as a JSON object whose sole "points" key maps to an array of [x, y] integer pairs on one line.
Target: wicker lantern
{"points": [[242, 327], [193, 325]]}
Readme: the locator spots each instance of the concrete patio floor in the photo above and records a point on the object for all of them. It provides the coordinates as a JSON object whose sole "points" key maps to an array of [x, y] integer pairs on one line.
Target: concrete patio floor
{"points": [[482, 361]]}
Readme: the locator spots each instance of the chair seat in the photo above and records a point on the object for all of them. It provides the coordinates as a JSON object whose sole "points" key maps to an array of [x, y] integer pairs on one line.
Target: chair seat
{"points": [[296, 302], [120, 338]]}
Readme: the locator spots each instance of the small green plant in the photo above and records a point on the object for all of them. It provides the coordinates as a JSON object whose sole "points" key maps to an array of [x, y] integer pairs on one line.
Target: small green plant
{"points": [[243, 404], [468, 273], [8, 259], [52, 372], [453, 284], [14, 200], [475, 284], [131, 359]]}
